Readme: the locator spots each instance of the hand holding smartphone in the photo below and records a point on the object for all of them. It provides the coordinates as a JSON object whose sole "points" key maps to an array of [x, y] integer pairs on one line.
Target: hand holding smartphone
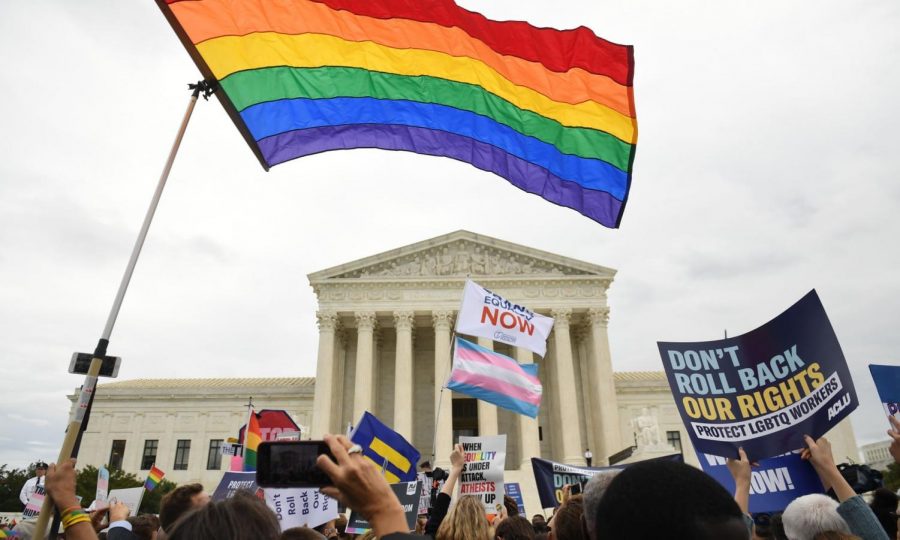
{"points": [[287, 464]]}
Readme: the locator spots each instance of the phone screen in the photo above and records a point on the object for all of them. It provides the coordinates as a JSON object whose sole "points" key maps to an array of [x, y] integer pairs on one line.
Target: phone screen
{"points": [[291, 464]]}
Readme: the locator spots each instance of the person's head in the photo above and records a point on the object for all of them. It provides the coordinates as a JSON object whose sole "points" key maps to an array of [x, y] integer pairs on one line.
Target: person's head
{"points": [[538, 518], [144, 526], [593, 491], [566, 522], [241, 517], [512, 507], [515, 528], [425, 466], [180, 500], [809, 515], [884, 500], [421, 521], [465, 521], [301, 533], [762, 526], [40, 469], [661, 498], [835, 535], [777, 525]]}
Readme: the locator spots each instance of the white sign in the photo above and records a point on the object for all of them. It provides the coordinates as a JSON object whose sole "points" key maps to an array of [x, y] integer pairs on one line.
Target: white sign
{"points": [[102, 488], [130, 496], [487, 314], [298, 507], [33, 508], [483, 472]]}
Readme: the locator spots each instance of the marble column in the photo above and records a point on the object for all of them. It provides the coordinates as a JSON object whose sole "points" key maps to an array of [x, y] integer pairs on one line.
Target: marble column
{"points": [[583, 357], [443, 407], [322, 419], [404, 322], [606, 404], [565, 376], [365, 365], [487, 413], [529, 440]]}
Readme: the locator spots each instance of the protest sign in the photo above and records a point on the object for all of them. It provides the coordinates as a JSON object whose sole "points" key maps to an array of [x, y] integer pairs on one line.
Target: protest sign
{"points": [[130, 496], [33, 508], [773, 484], [487, 314], [425, 495], [887, 382], [233, 481], [514, 490], [765, 389], [102, 493], [301, 507], [550, 476], [407, 492], [483, 473], [272, 423]]}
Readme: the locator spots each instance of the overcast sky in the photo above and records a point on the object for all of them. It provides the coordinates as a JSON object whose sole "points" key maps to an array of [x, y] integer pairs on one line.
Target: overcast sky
{"points": [[767, 165]]}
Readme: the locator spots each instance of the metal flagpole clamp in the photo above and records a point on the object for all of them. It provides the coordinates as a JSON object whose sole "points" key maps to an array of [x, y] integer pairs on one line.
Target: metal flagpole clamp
{"points": [[355, 449]]}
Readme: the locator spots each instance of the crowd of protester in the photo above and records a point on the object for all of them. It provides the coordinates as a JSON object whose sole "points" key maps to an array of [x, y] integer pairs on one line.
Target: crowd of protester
{"points": [[648, 500]]}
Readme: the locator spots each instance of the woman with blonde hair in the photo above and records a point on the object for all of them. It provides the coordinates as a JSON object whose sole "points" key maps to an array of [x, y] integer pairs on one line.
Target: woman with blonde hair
{"points": [[465, 521]]}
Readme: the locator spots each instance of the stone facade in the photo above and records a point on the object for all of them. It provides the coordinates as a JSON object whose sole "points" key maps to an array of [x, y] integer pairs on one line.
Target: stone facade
{"points": [[385, 326], [171, 410]]}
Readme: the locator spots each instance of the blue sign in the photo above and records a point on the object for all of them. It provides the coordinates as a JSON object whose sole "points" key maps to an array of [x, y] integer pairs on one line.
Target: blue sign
{"points": [[765, 389], [887, 382], [232, 481], [774, 484], [550, 476], [515, 491]]}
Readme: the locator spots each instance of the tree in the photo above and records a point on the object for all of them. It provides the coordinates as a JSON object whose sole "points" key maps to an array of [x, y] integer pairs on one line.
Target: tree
{"points": [[892, 477], [11, 482], [86, 487]]}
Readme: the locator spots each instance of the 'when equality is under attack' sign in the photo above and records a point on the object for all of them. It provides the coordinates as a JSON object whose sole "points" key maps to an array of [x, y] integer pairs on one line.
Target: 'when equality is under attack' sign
{"points": [[765, 389]]}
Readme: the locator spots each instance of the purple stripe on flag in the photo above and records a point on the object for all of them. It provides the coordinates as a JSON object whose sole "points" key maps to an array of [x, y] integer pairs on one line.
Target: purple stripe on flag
{"points": [[495, 385], [597, 205], [495, 361]]}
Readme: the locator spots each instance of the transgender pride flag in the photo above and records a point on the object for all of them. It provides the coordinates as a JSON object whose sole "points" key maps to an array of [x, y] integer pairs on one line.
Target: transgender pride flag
{"points": [[489, 376]]}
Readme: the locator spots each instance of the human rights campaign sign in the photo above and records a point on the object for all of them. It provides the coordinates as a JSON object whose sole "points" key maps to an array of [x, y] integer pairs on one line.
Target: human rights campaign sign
{"points": [[887, 382], [773, 484], [765, 389]]}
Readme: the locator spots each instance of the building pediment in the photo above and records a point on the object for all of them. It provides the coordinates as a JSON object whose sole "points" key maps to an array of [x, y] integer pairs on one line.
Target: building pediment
{"points": [[461, 254]]}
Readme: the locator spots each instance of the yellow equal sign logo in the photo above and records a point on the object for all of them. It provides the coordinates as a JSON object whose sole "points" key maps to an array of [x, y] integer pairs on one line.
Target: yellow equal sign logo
{"points": [[392, 456]]}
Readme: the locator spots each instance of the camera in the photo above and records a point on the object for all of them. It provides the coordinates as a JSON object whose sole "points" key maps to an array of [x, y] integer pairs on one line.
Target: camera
{"points": [[287, 464]]}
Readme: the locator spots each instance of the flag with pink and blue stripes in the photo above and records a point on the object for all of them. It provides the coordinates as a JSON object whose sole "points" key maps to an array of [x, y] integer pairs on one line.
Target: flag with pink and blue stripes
{"points": [[490, 376]]}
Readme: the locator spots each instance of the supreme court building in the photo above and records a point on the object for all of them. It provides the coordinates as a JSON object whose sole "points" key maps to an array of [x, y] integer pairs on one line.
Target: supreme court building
{"points": [[385, 328]]}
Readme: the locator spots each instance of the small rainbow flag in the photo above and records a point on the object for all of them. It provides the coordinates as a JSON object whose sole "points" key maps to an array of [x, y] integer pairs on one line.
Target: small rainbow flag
{"points": [[154, 477], [252, 437], [551, 111]]}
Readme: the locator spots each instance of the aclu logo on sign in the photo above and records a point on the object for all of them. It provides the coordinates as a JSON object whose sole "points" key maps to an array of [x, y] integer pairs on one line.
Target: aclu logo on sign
{"points": [[838, 406]]}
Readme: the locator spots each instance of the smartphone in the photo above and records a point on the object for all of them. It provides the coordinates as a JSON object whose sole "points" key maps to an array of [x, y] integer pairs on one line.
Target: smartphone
{"points": [[286, 464], [575, 489]]}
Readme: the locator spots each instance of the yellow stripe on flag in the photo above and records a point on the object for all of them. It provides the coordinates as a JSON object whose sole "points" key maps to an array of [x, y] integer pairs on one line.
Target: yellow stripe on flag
{"points": [[394, 457], [388, 475]]}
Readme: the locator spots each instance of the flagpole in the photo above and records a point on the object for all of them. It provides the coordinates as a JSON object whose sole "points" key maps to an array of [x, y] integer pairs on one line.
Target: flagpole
{"points": [[437, 413], [80, 416], [246, 432]]}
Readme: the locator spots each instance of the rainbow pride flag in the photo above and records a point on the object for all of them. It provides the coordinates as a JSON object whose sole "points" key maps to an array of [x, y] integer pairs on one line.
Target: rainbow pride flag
{"points": [[551, 111], [154, 477], [253, 436]]}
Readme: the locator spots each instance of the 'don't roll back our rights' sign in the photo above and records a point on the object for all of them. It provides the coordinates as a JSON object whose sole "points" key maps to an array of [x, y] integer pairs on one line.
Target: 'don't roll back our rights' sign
{"points": [[765, 389]]}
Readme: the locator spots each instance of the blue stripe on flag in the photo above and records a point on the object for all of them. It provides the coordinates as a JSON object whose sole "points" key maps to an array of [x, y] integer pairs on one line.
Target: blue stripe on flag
{"points": [[370, 428], [500, 400], [274, 117]]}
